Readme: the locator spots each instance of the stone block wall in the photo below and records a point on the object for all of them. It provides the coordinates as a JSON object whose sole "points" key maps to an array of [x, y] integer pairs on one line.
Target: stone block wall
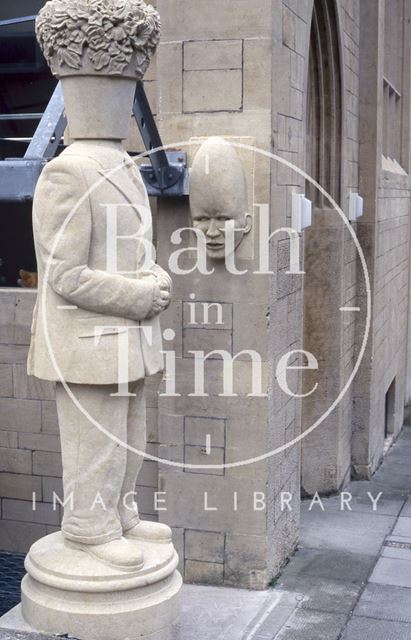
{"points": [[350, 17], [389, 330], [30, 454], [380, 388], [29, 457], [230, 542]]}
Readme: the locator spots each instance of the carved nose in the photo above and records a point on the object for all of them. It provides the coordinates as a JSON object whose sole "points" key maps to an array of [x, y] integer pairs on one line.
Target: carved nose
{"points": [[213, 230]]}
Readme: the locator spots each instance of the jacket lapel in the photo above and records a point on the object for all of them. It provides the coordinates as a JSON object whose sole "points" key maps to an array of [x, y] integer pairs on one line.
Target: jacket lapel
{"points": [[122, 184], [125, 185]]}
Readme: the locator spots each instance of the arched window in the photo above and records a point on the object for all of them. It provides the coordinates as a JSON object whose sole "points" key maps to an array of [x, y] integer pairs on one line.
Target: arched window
{"points": [[393, 79], [324, 104]]}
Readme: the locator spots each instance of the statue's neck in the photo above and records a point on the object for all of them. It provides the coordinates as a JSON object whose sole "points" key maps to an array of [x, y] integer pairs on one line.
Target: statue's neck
{"points": [[115, 145]]}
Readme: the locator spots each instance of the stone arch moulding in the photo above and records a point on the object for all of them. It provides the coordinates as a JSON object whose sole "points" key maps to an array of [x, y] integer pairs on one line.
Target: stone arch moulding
{"points": [[324, 103]]}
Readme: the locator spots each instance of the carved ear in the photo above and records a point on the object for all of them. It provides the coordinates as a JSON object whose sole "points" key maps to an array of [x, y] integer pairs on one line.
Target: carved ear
{"points": [[248, 223]]}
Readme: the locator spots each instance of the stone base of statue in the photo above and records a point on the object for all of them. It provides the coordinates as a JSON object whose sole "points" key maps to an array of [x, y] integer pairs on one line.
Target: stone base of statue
{"points": [[66, 591]]}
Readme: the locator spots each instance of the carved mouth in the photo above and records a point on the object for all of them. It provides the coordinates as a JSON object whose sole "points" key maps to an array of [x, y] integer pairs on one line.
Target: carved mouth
{"points": [[215, 245]]}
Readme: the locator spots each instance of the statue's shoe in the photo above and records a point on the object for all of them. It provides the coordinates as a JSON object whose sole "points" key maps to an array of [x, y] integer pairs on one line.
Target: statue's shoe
{"points": [[149, 532], [118, 554]]}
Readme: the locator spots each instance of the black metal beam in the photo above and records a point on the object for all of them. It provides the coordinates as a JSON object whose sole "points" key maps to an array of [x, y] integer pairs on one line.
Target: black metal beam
{"points": [[164, 174], [18, 179]]}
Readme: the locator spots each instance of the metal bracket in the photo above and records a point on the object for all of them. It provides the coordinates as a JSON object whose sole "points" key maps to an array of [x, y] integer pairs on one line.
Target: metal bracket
{"points": [[18, 176], [177, 160], [168, 173], [18, 179]]}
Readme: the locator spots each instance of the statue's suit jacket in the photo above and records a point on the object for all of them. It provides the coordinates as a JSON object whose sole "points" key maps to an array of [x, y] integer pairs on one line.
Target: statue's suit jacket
{"points": [[77, 295]]}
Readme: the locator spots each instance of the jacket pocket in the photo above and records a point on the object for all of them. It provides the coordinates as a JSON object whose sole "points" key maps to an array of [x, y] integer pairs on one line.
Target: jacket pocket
{"points": [[97, 331]]}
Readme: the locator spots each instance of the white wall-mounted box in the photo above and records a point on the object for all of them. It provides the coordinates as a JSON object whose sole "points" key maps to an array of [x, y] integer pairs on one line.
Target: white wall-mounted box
{"points": [[356, 207], [301, 214]]}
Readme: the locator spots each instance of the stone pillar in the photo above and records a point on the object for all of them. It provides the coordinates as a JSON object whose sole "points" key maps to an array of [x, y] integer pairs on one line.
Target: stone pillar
{"points": [[230, 524], [326, 452], [329, 252], [380, 391]]}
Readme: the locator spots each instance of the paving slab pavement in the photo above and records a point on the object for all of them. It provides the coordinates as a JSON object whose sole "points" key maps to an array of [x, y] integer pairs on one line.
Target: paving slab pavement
{"points": [[402, 527], [218, 613], [349, 580], [381, 601], [371, 629], [360, 533], [208, 613], [392, 571], [406, 511], [312, 625], [354, 566]]}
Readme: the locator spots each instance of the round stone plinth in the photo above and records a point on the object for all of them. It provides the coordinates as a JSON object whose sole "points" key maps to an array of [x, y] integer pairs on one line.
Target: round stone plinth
{"points": [[67, 591]]}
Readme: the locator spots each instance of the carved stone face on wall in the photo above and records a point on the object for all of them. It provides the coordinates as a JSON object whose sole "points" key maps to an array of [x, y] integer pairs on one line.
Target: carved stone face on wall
{"points": [[218, 196]]}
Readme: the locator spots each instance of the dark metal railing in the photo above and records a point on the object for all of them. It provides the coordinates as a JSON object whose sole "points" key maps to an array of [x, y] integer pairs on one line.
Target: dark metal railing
{"points": [[166, 176]]}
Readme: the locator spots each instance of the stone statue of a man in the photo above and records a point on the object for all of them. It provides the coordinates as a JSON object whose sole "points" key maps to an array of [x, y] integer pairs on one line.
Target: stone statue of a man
{"points": [[98, 285]]}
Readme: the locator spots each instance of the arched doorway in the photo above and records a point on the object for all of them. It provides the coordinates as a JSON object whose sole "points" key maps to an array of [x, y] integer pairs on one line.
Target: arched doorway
{"points": [[325, 452]]}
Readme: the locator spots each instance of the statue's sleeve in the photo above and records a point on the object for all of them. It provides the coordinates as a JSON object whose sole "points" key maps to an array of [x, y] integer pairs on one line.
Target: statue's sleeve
{"points": [[63, 230]]}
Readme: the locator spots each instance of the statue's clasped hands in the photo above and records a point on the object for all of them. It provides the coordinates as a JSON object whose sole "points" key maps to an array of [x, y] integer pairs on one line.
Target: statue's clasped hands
{"points": [[162, 291]]}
